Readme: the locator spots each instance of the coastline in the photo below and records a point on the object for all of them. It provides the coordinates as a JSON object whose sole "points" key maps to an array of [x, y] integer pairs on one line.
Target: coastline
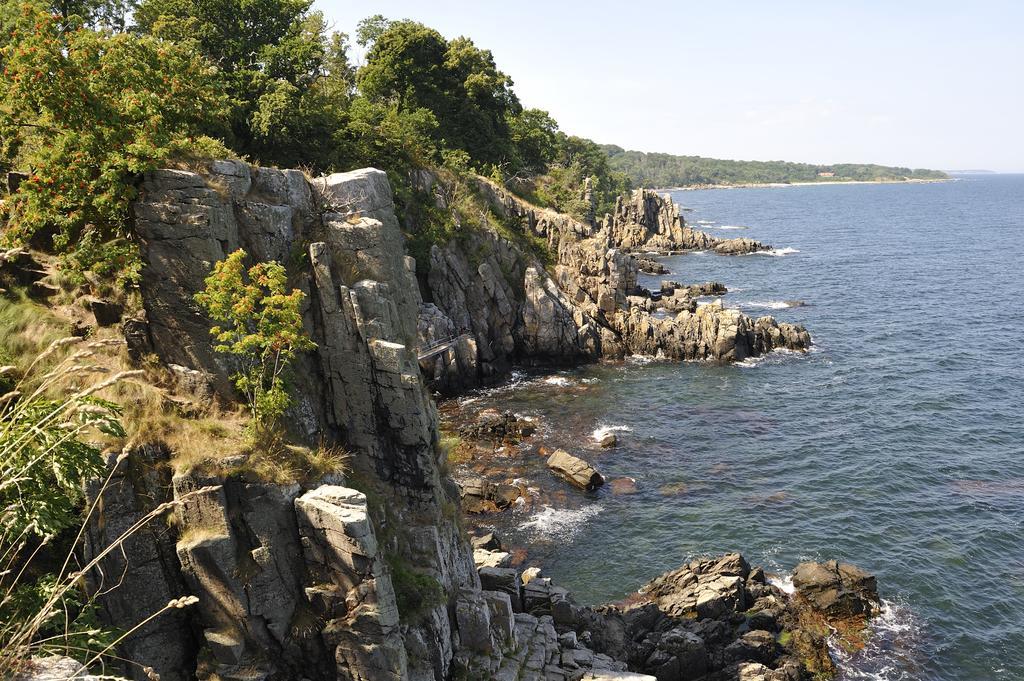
{"points": [[782, 185]]}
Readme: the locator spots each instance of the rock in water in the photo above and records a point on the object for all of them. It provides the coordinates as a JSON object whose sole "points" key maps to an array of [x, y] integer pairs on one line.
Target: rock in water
{"points": [[838, 590], [575, 470]]}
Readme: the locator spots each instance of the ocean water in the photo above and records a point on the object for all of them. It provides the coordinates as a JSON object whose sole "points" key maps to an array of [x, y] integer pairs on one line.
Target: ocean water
{"points": [[896, 444]]}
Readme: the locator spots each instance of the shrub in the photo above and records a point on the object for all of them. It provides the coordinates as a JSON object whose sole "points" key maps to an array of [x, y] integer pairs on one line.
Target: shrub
{"points": [[260, 325], [45, 461], [43, 458], [86, 111], [415, 593]]}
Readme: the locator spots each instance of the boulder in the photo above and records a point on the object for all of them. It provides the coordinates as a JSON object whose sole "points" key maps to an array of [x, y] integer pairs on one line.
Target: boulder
{"points": [[837, 590], [487, 542], [505, 580], [106, 312], [55, 668], [740, 246], [482, 558], [574, 469]]}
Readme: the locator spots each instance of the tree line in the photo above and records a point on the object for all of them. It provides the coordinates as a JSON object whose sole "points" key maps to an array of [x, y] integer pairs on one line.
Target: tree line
{"points": [[667, 170]]}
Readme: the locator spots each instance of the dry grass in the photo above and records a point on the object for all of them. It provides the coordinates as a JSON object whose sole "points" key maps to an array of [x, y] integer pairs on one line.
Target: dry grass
{"points": [[196, 534], [27, 329], [203, 433]]}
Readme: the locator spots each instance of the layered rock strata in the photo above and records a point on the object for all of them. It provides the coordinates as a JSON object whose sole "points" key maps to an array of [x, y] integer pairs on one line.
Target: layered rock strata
{"points": [[280, 597]]}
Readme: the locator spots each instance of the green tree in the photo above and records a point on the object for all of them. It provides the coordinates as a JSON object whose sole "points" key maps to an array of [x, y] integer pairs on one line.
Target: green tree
{"points": [[289, 78], [534, 135], [260, 324], [98, 13], [85, 111], [416, 68]]}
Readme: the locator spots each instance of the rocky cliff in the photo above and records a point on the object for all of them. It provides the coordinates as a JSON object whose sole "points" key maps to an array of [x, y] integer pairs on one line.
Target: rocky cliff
{"points": [[646, 221], [584, 303], [366, 573]]}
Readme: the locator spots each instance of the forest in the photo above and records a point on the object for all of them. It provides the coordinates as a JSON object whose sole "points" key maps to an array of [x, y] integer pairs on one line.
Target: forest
{"points": [[667, 170]]}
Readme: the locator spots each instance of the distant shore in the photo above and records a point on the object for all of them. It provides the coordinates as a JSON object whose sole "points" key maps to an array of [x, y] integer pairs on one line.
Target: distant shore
{"points": [[775, 185]]}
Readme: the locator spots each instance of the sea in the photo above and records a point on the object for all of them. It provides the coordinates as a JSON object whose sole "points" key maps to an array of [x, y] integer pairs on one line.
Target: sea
{"points": [[896, 443]]}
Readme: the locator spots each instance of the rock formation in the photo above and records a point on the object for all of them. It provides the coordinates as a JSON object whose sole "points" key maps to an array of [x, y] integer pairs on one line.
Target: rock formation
{"points": [[366, 574], [586, 305], [574, 469], [645, 221]]}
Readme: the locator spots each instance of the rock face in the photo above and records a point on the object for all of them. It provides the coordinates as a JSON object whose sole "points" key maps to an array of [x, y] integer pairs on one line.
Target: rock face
{"points": [[586, 305], [646, 221], [714, 618], [838, 590], [321, 581], [292, 583]]}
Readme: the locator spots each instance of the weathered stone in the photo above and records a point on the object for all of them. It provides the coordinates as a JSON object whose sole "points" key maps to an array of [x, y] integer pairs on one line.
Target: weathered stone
{"points": [[55, 668], [575, 470], [506, 580], [838, 590], [488, 542]]}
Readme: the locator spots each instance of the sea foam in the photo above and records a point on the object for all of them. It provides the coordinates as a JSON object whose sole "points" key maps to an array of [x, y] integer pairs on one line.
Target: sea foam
{"points": [[603, 430], [561, 524]]}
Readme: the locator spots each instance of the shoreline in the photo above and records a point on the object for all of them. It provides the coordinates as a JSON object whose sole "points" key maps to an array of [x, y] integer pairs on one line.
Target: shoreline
{"points": [[782, 185]]}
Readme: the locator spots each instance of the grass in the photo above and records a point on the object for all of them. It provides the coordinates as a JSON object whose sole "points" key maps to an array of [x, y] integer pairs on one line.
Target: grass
{"points": [[416, 593], [456, 450], [26, 329], [197, 534], [203, 435]]}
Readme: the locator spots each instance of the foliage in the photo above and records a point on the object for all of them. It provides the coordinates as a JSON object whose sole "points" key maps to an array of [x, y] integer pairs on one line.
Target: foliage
{"points": [[45, 461], [86, 111], [73, 629], [44, 458], [415, 67], [416, 593], [534, 136], [260, 324], [666, 170], [288, 77], [386, 136], [100, 13]]}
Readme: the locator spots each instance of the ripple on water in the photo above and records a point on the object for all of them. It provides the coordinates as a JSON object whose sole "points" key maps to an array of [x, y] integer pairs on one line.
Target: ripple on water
{"points": [[896, 441]]}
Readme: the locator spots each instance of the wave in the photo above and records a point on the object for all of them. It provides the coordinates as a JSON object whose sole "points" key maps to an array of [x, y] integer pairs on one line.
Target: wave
{"points": [[561, 524], [560, 381], [769, 305], [777, 252], [603, 430], [889, 654], [783, 582], [732, 227], [705, 222], [774, 357], [641, 360]]}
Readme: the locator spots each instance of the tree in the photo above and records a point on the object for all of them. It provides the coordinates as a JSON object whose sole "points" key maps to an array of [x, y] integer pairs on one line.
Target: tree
{"points": [[260, 324], [289, 78], [85, 111], [535, 140], [416, 68], [97, 13]]}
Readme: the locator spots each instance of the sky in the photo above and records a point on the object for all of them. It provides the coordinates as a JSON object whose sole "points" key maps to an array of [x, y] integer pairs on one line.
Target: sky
{"points": [[921, 84]]}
